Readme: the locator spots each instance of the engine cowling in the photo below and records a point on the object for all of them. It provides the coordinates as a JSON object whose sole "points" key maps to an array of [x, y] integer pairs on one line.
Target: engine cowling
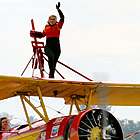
{"points": [[95, 124]]}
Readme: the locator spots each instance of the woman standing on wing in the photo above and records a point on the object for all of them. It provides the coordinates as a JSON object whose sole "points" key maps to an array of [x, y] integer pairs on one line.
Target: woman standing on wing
{"points": [[52, 33]]}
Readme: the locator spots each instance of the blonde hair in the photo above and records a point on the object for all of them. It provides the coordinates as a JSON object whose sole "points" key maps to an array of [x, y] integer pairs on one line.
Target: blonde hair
{"points": [[52, 16]]}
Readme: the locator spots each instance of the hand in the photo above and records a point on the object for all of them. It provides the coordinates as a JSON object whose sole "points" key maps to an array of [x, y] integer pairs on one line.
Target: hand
{"points": [[32, 33], [58, 5]]}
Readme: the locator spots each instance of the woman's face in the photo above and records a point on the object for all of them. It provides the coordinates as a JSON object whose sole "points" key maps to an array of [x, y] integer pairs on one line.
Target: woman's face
{"points": [[3, 123], [52, 20]]}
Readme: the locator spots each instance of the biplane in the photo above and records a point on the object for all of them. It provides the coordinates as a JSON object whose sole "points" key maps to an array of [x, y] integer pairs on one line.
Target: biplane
{"points": [[90, 124]]}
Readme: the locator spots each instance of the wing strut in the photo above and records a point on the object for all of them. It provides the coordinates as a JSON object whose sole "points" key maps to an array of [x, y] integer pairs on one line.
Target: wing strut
{"points": [[36, 110], [89, 99], [26, 113], [74, 101], [42, 104], [23, 98], [77, 106]]}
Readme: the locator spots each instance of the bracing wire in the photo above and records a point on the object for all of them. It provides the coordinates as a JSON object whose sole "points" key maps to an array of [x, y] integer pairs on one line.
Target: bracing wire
{"points": [[51, 107]]}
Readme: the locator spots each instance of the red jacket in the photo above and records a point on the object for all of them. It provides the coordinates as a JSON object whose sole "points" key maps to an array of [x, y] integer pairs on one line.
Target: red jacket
{"points": [[53, 31]]}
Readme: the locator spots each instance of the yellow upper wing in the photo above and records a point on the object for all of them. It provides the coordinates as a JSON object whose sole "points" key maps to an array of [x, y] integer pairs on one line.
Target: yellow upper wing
{"points": [[103, 93]]}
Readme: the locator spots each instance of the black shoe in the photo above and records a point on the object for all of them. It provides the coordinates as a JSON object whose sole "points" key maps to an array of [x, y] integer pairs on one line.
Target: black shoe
{"points": [[51, 76]]}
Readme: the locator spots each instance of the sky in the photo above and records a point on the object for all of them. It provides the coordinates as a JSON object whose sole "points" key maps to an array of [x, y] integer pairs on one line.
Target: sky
{"points": [[100, 39]]}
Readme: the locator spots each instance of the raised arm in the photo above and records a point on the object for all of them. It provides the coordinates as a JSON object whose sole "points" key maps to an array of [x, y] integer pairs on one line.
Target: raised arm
{"points": [[60, 12]]}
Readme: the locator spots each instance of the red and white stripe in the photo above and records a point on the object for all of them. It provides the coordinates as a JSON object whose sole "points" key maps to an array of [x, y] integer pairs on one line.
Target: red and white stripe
{"points": [[128, 136]]}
